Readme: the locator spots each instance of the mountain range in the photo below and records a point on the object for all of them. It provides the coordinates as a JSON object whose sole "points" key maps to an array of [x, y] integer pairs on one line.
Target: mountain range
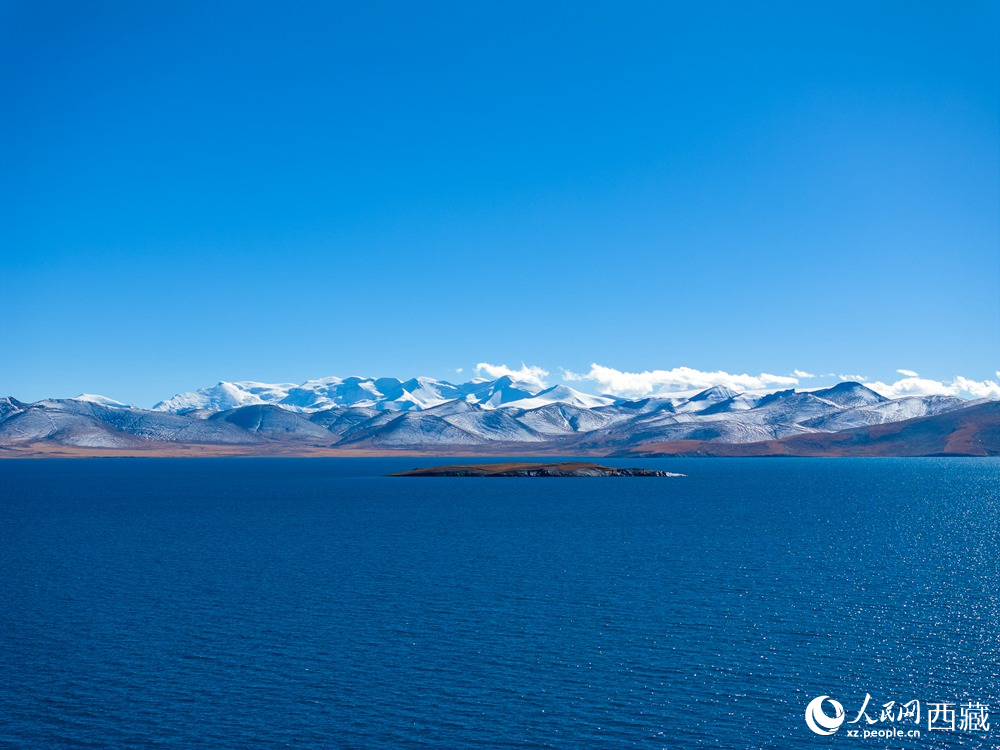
{"points": [[359, 416], [381, 394]]}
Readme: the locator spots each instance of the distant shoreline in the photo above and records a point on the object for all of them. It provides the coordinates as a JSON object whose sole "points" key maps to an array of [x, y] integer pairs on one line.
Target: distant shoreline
{"points": [[192, 451]]}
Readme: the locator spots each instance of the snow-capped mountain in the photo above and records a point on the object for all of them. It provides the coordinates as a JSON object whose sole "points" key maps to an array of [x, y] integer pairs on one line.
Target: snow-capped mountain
{"points": [[850, 395], [92, 425], [102, 400], [225, 396], [383, 394], [423, 413], [885, 411], [560, 394]]}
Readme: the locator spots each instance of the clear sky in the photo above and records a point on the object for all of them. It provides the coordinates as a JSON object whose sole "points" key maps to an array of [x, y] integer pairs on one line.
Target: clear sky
{"points": [[195, 192]]}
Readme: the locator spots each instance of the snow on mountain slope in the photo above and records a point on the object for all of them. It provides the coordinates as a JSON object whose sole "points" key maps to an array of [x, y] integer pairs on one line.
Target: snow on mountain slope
{"points": [[622, 411], [62, 427], [741, 402], [667, 427], [325, 393], [493, 394], [424, 393], [388, 394], [706, 399], [722, 417], [349, 428], [564, 419], [102, 400], [224, 396], [410, 429], [86, 424], [494, 425], [790, 407], [10, 406], [885, 411], [457, 406], [339, 420], [850, 395], [274, 423], [715, 393], [561, 394]]}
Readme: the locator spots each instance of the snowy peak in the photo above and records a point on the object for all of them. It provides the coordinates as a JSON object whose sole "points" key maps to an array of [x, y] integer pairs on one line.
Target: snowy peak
{"points": [[492, 394], [715, 393], [850, 394], [383, 394], [92, 398], [224, 395], [561, 394], [710, 400], [9, 406]]}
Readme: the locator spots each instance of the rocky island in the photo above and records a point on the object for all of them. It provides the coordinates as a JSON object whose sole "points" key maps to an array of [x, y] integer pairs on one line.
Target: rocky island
{"points": [[528, 469]]}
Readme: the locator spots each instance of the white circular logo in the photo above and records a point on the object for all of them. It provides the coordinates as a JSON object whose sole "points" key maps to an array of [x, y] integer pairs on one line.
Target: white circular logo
{"points": [[818, 721]]}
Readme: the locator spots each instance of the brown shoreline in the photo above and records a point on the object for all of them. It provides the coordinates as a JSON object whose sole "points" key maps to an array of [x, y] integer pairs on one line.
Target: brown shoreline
{"points": [[278, 450]]}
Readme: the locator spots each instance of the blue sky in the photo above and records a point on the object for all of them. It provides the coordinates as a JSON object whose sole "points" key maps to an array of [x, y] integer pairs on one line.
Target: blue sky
{"points": [[196, 192]]}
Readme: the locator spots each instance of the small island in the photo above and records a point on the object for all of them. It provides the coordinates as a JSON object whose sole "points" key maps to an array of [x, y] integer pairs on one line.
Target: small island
{"points": [[527, 469]]}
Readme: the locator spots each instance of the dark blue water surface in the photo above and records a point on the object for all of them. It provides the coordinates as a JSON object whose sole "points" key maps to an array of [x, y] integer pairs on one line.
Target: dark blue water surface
{"points": [[314, 603]]}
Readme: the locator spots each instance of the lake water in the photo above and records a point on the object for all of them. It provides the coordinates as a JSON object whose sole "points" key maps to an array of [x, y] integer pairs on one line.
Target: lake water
{"points": [[314, 603]]}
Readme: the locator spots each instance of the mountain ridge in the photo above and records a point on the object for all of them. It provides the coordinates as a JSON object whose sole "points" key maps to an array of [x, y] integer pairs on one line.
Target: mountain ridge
{"points": [[973, 431], [500, 416]]}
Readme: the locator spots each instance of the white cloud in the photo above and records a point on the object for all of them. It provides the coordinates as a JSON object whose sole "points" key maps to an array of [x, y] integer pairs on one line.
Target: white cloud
{"points": [[908, 373], [911, 387], [960, 386], [645, 383], [528, 374], [459, 370], [977, 388], [650, 382]]}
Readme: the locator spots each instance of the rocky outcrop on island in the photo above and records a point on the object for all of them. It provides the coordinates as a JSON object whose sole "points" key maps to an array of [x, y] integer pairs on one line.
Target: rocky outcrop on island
{"points": [[563, 469]]}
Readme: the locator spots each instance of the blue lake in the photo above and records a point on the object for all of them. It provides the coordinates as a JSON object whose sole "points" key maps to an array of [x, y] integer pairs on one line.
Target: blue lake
{"points": [[317, 603]]}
